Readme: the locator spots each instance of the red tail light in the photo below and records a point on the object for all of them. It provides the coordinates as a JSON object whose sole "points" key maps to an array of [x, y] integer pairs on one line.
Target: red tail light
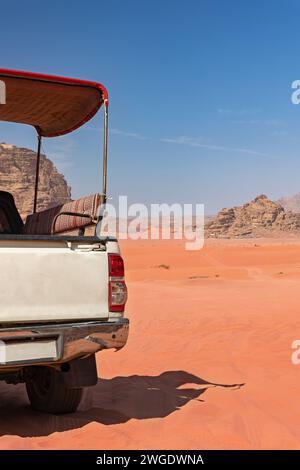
{"points": [[117, 291], [116, 265]]}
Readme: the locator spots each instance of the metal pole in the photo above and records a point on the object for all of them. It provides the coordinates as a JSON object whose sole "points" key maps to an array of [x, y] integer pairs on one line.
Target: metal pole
{"points": [[37, 172], [104, 180]]}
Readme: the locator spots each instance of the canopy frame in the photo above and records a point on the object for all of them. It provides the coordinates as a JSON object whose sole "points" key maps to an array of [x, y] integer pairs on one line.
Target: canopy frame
{"points": [[37, 173], [43, 128]]}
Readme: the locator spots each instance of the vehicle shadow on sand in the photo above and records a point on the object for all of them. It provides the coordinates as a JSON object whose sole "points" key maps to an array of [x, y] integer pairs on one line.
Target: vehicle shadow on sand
{"points": [[110, 402]]}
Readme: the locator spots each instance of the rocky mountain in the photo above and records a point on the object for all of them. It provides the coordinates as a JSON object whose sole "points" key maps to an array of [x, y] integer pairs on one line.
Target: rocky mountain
{"points": [[290, 203], [260, 217], [17, 175]]}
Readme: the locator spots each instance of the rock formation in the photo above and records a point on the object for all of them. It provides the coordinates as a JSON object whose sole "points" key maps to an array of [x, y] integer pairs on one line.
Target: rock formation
{"points": [[17, 175], [260, 217]]}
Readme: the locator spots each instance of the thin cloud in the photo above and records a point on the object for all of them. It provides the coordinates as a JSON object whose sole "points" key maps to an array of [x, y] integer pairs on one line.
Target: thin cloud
{"points": [[133, 135], [60, 152], [115, 131], [262, 122], [238, 112], [196, 142], [279, 132]]}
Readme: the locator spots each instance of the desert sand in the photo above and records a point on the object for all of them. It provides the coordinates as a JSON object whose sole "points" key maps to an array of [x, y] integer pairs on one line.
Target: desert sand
{"points": [[208, 361]]}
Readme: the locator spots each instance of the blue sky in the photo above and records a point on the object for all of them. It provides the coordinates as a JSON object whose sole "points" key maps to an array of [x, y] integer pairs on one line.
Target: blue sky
{"points": [[200, 94]]}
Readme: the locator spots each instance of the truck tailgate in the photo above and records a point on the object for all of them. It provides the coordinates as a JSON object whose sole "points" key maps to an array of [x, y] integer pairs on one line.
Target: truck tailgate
{"points": [[53, 280]]}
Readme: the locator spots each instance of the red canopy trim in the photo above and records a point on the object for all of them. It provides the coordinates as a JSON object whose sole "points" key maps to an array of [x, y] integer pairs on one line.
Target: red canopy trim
{"points": [[53, 105]]}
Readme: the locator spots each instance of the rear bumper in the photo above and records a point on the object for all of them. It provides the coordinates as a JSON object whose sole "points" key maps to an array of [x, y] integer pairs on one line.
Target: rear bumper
{"points": [[73, 339]]}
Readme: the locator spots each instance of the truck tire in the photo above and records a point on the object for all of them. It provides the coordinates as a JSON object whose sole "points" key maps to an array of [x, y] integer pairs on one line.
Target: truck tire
{"points": [[48, 393]]}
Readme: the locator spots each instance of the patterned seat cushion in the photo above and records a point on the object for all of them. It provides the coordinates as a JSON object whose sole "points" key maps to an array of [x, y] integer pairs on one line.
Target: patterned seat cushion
{"points": [[40, 223]]}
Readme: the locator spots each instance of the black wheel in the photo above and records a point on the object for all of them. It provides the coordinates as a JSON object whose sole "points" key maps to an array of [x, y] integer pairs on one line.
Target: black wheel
{"points": [[47, 391]]}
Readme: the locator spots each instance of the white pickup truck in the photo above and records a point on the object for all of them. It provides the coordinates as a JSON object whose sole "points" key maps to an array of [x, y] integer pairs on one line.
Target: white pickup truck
{"points": [[62, 289]]}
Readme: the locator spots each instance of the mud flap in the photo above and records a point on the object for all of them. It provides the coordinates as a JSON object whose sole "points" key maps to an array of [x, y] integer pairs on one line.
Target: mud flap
{"points": [[80, 372]]}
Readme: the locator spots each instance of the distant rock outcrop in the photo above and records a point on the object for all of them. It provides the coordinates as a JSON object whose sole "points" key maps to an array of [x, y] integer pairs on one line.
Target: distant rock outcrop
{"points": [[260, 217], [290, 203], [17, 175]]}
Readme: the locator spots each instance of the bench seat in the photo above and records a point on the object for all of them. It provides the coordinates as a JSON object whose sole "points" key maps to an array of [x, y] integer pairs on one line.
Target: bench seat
{"points": [[50, 221]]}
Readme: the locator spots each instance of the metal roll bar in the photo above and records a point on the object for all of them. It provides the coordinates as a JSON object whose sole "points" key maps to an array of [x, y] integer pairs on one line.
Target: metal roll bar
{"points": [[104, 173]]}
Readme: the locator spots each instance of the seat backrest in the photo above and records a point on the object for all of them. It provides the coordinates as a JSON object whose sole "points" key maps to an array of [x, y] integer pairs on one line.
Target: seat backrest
{"points": [[10, 219], [42, 223]]}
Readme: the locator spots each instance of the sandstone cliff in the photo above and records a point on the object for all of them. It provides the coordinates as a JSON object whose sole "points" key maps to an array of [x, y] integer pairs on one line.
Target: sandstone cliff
{"points": [[260, 217], [17, 175]]}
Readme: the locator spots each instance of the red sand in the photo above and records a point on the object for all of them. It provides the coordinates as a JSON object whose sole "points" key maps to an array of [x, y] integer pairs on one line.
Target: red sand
{"points": [[220, 317]]}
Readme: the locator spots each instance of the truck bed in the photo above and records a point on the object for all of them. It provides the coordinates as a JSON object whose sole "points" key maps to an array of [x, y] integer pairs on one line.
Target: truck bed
{"points": [[53, 278]]}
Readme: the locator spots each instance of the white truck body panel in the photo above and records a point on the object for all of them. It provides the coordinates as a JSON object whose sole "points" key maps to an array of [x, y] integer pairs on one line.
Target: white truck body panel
{"points": [[53, 281]]}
